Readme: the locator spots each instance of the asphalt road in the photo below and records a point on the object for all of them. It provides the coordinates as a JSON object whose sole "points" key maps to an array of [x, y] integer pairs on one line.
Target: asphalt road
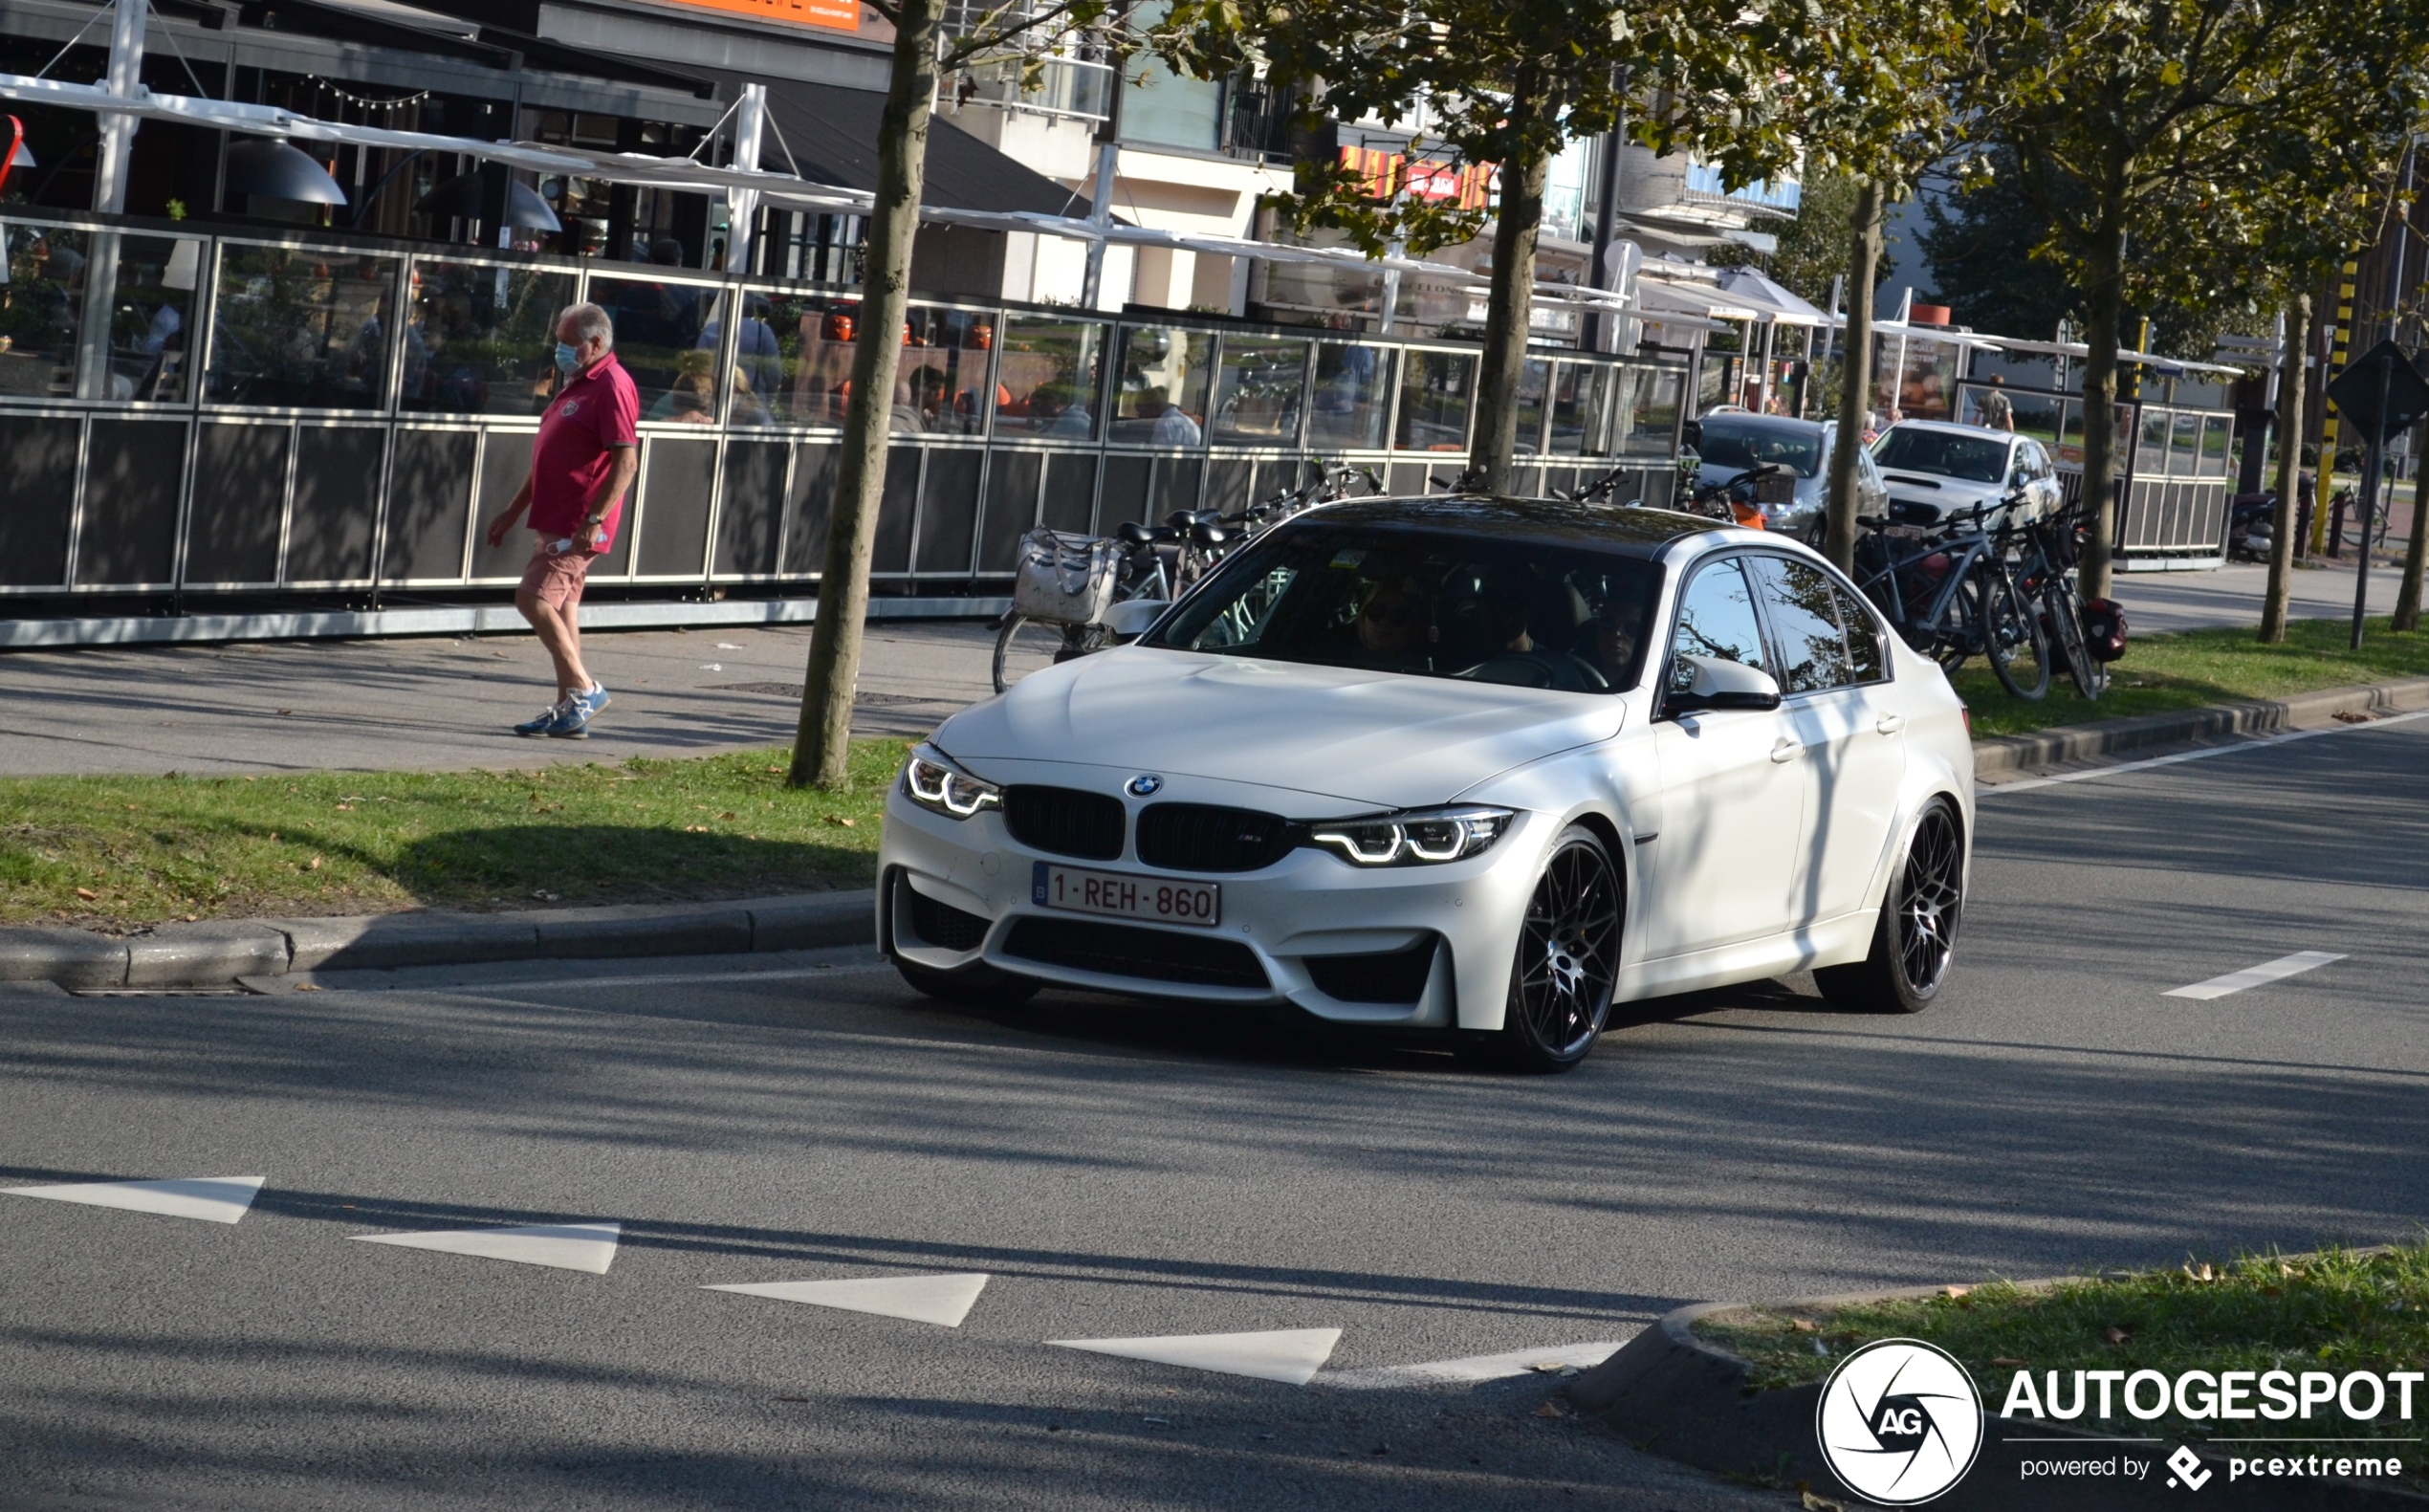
{"points": [[1119, 1170]]}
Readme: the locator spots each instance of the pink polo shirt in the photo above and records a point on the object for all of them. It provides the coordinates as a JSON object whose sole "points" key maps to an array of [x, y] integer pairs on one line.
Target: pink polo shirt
{"points": [[594, 413]]}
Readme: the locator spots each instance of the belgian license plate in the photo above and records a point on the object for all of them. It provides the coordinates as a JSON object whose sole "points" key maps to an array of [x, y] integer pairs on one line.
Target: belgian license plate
{"points": [[1109, 893]]}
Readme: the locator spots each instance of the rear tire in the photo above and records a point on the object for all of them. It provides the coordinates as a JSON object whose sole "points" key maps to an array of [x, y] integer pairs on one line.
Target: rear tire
{"points": [[972, 986], [2019, 653], [1568, 961], [1917, 936], [2063, 614]]}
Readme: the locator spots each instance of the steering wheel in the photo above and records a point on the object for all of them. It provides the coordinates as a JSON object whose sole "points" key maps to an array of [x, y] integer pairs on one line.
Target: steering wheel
{"points": [[1565, 673]]}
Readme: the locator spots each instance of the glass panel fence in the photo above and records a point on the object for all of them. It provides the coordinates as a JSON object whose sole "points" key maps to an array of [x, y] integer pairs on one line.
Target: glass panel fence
{"points": [[1050, 377], [2184, 444], [304, 328], [1535, 377], [666, 336], [1652, 420], [1580, 405], [481, 337], [151, 280], [1256, 391], [813, 372], [1166, 374], [2150, 451], [1352, 397], [944, 377], [2218, 444], [41, 309], [1436, 389]]}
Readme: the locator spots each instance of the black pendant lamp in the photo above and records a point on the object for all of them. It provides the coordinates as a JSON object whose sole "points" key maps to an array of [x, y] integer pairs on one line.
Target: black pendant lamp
{"points": [[463, 196], [269, 170]]}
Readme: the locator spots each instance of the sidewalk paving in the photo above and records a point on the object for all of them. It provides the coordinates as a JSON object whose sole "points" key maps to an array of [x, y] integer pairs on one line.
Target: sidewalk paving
{"points": [[447, 704], [434, 705]]}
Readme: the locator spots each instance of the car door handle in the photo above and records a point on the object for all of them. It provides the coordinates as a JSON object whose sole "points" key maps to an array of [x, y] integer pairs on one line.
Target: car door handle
{"points": [[1890, 724], [1786, 750]]}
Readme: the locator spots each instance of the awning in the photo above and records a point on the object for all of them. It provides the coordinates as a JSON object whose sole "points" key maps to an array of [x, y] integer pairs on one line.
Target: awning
{"points": [[1750, 287]]}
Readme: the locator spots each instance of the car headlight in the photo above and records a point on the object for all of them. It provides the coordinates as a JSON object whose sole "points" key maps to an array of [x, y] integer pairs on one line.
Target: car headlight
{"points": [[931, 781], [1427, 837]]}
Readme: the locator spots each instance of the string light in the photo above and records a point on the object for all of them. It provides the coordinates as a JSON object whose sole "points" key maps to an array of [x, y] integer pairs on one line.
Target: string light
{"points": [[365, 102]]}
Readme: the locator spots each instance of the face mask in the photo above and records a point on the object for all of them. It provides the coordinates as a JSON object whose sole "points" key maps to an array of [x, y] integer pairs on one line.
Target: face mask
{"points": [[568, 358]]}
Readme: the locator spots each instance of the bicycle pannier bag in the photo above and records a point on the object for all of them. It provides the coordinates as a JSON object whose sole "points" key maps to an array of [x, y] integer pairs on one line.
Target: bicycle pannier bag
{"points": [[1067, 580]]}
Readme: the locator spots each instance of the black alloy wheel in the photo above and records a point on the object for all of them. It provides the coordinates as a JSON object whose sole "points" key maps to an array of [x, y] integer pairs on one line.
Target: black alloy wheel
{"points": [[1917, 936], [1568, 963]]}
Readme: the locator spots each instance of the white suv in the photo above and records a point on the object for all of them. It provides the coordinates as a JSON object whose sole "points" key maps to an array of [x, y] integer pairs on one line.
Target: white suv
{"points": [[1935, 469]]}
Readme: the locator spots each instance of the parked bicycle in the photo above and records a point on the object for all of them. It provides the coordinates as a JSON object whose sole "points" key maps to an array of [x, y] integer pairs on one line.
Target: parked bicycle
{"points": [[1951, 591], [2050, 548], [1066, 584]]}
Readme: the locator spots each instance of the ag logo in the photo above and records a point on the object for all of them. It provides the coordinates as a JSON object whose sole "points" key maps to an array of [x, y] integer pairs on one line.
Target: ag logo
{"points": [[1900, 1422]]}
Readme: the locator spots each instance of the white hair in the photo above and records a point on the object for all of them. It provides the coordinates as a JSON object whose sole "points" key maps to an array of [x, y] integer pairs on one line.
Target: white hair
{"points": [[589, 320]]}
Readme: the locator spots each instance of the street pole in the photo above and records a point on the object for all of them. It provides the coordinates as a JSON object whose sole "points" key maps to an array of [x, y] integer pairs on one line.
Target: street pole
{"points": [[1101, 193], [742, 206], [2368, 498], [1605, 323], [2326, 486]]}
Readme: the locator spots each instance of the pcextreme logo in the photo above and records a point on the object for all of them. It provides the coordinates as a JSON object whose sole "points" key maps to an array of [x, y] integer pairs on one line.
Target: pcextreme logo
{"points": [[1899, 1422]]}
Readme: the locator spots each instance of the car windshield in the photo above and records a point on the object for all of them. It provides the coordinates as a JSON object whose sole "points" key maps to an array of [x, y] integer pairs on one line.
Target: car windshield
{"points": [[1975, 459], [1429, 603], [1741, 441]]}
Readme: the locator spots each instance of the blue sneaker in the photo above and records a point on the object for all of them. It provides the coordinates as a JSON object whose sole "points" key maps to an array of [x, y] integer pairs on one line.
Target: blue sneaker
{"points": [[539, 726], [591, 702], [571, 722]]}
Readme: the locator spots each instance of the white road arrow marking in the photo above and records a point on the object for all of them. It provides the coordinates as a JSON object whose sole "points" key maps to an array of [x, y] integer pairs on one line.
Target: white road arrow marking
{"points": [[213, 1199], [941, 1299], [1288, 1355], [567, 1246], [2266, 971], [1472, 1369]]}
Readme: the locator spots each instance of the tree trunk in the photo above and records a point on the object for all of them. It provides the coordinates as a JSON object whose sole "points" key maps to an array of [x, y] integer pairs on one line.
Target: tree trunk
{"points": [[2408, 597], [1856, 371], [2105, 297], [2291, 400], [821, 746], [1508, 314]]}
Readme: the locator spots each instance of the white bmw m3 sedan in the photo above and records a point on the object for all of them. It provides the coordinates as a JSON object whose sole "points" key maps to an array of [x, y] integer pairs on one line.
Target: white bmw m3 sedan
{"points": [[1477, 766]]}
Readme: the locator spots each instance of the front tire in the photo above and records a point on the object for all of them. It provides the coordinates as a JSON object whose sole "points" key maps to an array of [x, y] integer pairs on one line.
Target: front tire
{"points": [[1917, 936], [1568, 963], [970, 987]]}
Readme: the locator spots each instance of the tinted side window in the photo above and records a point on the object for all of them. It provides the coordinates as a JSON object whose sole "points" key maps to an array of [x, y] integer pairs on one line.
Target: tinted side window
{"points": [[1865, 657], [1805, 625], [1716, 618]]}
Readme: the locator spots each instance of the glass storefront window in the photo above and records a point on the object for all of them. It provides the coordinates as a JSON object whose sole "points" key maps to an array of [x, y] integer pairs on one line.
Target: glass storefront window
{"points": [[943, 388], [1166, 373], [1352, 397], [1256, 391], [2150, 451], [1050, 377], [2184, 444], [301, 328], [1436, 389], [479, 339], [2218, 445], [1534, 378], [151, 312], [1652, 418], [666, 336], [41, 309], [1581, 406]]}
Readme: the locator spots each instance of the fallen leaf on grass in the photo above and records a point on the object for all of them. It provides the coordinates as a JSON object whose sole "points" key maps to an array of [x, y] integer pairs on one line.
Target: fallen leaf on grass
{"points": [[773, 767], [313, 864], [546, 896], [695, 829], [837, 818], [2114, 1334], [1951, 1293], [728, 814], [87, 894], [2200, 1272], [1815, 1503], [343, 807], [1804, 1325]]}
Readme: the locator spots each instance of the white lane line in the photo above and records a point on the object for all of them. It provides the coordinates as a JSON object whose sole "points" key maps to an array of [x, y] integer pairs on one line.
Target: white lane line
{"points": [[1472, 1369], [1993, 790], [941, 1299], [566, 1246], [2266, 971], [1290, 1355], [213, 1199]]}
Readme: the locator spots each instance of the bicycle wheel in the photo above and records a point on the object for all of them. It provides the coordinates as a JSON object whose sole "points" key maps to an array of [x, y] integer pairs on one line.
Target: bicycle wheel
{"points": [[2012, 641], [1026, 645], [2061, 616]]}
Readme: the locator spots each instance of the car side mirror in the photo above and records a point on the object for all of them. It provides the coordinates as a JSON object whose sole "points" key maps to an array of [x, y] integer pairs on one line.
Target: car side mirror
{"points": [[1709, 683], [1132, 618]]}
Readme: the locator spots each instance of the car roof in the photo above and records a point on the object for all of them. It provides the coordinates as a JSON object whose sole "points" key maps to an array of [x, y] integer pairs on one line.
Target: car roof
{"points": [[1750, 417], [1991, 431], [1625, 529]]}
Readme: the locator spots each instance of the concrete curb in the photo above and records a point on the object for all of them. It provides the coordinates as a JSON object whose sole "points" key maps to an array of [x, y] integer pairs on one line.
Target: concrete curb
{"points": [[2256, 717], [220, 952], [1673, 1394]]}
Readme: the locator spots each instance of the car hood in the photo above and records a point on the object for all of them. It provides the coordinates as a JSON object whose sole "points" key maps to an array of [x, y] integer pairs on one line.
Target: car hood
{"points": [[1376, 739], [1947, 492]]}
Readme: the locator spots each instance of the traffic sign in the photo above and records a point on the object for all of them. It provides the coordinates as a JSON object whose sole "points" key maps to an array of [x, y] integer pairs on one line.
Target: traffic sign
{"points": [[2382, 392]]}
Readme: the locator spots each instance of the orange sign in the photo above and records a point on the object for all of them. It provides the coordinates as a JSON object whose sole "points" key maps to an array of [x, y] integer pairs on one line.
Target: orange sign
{"points": [[842, 15], [1388, 174]]}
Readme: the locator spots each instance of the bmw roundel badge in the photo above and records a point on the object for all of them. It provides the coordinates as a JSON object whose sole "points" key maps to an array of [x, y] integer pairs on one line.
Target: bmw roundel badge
{"points": [[1146, 784]]}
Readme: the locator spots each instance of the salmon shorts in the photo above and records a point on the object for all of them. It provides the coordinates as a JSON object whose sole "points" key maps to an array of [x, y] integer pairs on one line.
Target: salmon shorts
{"points": [[555, 578]]}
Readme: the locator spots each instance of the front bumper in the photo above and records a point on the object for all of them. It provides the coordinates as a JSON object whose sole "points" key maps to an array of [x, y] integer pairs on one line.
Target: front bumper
{"points": [[1310, 930]]}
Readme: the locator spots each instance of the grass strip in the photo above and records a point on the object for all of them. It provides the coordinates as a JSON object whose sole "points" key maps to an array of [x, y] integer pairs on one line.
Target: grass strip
{"points": [[120, 852], [2338, 1310], [2167, 673]]}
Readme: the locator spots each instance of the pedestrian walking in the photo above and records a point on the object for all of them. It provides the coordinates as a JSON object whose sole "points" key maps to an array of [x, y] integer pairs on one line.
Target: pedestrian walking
{"points": [[1998, 412], [583, 461]]}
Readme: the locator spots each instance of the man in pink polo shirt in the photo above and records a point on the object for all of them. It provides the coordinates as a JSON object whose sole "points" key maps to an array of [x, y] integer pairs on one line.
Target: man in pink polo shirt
{"points": [[581, 464]]}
